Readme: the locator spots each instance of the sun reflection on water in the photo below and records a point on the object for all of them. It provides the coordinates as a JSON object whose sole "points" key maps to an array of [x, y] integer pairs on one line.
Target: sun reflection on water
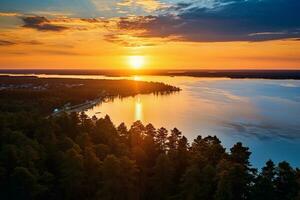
{"points": [[137, 78], [138, 113]]}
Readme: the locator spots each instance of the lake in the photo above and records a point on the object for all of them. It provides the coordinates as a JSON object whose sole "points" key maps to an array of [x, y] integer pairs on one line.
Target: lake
{"points": [[263, 114]]}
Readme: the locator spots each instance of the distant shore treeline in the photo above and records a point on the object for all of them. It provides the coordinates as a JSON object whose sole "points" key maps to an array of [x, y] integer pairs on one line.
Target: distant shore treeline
{"points": [[32, 94], [75, 157], [258, 74]]}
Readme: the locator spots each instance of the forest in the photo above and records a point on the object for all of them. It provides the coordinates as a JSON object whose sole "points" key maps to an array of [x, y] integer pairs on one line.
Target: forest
{"points": [[72, 156], [42, 95]]}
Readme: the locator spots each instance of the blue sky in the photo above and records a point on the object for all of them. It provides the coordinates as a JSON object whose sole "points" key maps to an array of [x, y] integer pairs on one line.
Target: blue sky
{"points": [[93, 8], [78, 8]]}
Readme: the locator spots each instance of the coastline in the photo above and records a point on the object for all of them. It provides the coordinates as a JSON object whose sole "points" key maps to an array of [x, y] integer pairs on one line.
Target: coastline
{"points": [[79, 107], [234, 74]]}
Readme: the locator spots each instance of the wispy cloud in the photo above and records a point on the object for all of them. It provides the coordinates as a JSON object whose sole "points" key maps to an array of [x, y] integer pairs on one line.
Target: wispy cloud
{"points": [[147, 5], [41, 24], [9, 14], [6, 43]]}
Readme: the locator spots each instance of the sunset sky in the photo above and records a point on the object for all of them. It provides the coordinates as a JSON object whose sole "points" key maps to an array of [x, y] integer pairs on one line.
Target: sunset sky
{"points": [[154, 34]]}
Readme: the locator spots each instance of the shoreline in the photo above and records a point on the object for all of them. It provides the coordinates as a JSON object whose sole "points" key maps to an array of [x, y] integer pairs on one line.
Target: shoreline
{"points": [[79, 107], [234, 74]]}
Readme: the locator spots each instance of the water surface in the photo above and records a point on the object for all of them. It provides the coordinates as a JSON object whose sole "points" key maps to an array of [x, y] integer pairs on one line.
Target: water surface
{"points": [[263, 114]]}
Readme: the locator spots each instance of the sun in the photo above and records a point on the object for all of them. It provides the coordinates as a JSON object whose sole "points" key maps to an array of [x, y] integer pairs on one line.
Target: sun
{"points": [[136, 62]]}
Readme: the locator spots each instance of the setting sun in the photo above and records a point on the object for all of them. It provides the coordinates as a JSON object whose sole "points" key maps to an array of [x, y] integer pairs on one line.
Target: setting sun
{"points": [[136, 62]]}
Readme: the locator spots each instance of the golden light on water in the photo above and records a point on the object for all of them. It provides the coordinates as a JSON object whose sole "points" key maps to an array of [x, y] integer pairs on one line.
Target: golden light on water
{"points": [[138, 113], [136, 62], [137, 78]]}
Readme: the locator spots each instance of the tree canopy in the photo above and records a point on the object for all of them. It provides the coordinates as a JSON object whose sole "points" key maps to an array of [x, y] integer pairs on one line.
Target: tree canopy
{"points": [[72, 156]]}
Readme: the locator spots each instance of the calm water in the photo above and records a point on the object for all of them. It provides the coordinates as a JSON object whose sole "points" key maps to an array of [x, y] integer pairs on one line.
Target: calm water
{"points": [[263, 114]]}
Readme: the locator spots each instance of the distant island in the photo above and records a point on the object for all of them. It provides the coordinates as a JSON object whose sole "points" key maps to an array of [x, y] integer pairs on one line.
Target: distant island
{"points": [[258, 74], [45, 95]]}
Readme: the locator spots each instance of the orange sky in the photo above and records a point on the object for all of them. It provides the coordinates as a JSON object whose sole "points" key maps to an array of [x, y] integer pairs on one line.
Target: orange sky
{"points": [[99, 54], [62, 42]]}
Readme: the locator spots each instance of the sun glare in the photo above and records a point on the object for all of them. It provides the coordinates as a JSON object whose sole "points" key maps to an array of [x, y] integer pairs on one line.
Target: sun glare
{"points": [[138, 115], [136, 62]]}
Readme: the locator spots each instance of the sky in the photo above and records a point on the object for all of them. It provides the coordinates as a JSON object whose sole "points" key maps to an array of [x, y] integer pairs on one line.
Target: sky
{"points": [[165, 34]]}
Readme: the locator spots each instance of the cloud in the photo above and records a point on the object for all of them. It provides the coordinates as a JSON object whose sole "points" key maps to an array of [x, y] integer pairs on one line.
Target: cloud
{"points": [[228, 20], [150, 26], [41, 24], [127, 41], [6, 43], [147, 5], [9, 14], [117, 38], [60, 52], [114, 8], [92, 20], [195, 21]]}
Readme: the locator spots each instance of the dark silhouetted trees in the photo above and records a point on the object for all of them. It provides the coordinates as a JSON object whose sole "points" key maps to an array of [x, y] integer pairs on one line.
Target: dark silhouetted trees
{"points": [[71, 156]]}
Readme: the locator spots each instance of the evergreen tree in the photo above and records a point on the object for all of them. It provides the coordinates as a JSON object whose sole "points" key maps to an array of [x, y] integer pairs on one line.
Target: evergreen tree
{"points": [[264, 187], [71, 156], [162, 178], [286, 182]]}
